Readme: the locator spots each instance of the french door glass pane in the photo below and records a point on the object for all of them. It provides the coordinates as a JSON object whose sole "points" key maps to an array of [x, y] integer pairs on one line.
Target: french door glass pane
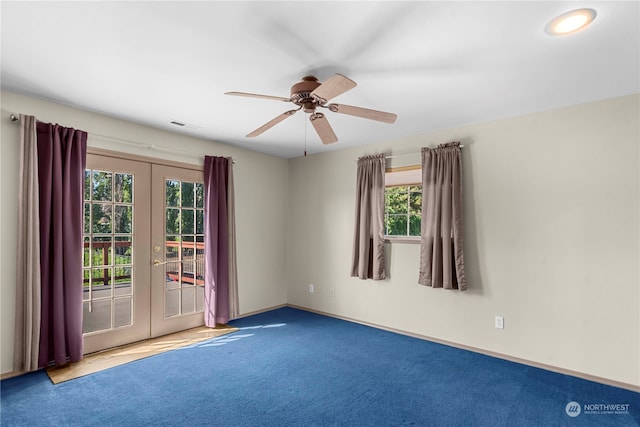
{"points": [[123, 281], [199, 298], [184, 247], [188, 221], [87, 217], [123, 219], [97, 316], [172, 303], [187, 194], [123, 188], [123, 250], [86, 292], [101, 213], [173, 193], [101, 188], [123, 308], [173, 221], [107, 253], [188, 300], [101, 251], [199, 195]]}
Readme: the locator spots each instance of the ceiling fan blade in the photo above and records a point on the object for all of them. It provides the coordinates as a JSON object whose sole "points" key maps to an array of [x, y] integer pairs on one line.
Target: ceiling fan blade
{"points": [[332, 87], [255, 95], [323, 128], [365, 113], [272, 123]]}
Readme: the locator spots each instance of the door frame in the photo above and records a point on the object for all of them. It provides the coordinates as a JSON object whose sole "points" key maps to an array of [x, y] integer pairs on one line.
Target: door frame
{"points": [[143, 259]]}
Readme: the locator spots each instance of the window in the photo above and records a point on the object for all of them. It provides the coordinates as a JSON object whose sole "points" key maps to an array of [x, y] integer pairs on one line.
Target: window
{"points": [[403, 203]]}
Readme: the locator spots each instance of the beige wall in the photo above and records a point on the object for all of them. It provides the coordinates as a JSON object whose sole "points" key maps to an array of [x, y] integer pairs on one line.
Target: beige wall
{"points": [[552, 233], [261, 184], [551, 207]]}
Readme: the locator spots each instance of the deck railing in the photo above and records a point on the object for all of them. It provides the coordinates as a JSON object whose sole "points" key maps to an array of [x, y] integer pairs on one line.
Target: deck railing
{"points": [[189, 271]]}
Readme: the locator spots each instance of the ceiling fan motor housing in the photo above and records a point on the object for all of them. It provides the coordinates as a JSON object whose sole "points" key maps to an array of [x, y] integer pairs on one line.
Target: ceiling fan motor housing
{"points": [[301, 93]]}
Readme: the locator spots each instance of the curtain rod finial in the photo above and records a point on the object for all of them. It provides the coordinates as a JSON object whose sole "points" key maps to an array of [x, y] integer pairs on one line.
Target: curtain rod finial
{"points": [[14, 118]]}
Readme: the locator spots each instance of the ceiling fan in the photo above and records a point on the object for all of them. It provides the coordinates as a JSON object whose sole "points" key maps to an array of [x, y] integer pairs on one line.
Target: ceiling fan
{"points": [[308, 95]]}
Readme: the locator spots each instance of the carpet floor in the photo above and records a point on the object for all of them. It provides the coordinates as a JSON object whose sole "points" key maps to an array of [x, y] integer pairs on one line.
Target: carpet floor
{"points": [[289, 367]]}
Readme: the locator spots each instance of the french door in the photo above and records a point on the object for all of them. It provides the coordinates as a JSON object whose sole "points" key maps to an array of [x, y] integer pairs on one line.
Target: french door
{"points": [[177, 226], [143, 257]]}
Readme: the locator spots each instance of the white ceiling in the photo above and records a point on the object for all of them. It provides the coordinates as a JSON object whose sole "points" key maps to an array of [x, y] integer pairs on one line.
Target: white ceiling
{"points": [[434, 64]]}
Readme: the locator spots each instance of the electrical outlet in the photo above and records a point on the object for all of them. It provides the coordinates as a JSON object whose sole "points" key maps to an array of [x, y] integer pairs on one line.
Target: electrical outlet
{"points": [[499, 322], [311, 289]]}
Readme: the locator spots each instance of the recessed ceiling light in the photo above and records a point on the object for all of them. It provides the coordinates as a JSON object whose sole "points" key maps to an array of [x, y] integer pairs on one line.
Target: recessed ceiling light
{"points": [[570, 22]]}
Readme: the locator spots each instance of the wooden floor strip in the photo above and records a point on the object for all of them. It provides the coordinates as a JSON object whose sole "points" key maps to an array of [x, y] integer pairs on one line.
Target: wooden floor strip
{"points": [[96, 362]]}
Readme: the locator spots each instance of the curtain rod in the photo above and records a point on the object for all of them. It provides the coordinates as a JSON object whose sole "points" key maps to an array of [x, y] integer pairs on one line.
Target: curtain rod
{"points": [[407, 154], [15, 118]]}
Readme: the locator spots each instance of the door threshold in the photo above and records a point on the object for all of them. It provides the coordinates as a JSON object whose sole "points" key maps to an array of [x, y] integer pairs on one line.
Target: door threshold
{"points": [[105, 359]]}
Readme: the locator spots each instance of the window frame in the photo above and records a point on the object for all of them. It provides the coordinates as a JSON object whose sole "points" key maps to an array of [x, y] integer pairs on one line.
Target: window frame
{"points": [[408, 178]]}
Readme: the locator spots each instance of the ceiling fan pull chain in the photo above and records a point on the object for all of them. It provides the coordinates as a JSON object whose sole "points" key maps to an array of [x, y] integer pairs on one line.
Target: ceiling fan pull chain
{"points": [[305, 137]]}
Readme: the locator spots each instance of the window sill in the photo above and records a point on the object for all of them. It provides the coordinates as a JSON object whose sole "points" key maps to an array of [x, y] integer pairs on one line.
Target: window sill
{"points": [[402, 239]]}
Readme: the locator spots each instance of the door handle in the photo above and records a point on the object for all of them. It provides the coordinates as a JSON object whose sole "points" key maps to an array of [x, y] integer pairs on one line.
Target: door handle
{"points": [[157, 262]]}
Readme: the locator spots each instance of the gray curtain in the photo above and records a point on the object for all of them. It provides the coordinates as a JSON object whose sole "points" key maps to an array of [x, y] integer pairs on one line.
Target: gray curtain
{"points": [[442, 241], [28, 299], [368, 238], [221, 294]]}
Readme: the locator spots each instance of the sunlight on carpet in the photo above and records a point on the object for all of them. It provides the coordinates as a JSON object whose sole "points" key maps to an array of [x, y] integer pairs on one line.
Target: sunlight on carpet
{"points": [[106, 359]]}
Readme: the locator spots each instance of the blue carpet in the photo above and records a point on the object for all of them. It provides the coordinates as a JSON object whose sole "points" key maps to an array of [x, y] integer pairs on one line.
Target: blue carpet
{"points": [[289, 367]]}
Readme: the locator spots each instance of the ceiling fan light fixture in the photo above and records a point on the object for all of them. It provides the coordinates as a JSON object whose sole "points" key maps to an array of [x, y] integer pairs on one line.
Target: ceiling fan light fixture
{"points": [[570, 22]]}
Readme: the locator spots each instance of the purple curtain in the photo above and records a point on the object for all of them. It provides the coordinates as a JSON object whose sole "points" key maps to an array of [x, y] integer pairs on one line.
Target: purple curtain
{"points": [[216, 240], [61, 163], [442, 234]]}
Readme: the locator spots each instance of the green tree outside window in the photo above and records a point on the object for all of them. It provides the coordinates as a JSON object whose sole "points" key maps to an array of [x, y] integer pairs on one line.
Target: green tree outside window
{"points": [[403, 210]]}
